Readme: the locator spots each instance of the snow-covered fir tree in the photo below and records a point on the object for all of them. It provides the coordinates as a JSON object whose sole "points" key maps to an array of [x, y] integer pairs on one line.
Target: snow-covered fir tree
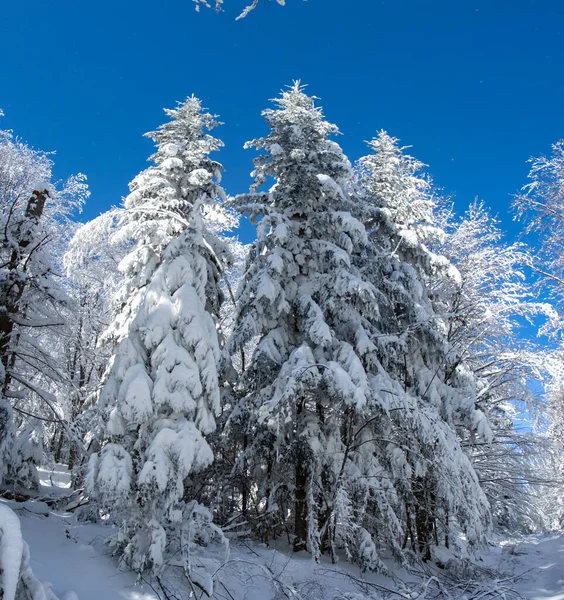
{"points": [[162, 392], [301, 305], [396, 183], [417, 479]]}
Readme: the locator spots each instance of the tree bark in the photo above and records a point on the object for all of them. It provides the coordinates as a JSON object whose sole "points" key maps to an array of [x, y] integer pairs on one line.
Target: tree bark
{"points": [[300, 509], [423, 517]]}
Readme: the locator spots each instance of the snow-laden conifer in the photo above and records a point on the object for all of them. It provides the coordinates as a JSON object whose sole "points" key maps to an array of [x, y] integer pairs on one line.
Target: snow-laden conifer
{"points": [[302, 306], [162, 393], [409, 456], [395, 181]]}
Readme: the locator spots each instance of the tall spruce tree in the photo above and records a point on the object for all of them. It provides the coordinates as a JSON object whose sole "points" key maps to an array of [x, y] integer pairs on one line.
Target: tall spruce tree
{"points": [[301, 306], [162, 390], [413, 464]]}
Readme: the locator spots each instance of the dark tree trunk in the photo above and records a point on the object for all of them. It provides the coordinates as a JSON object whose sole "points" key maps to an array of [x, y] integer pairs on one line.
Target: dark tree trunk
{"points": [[423, 532], [300, 508], [72, 456], [244, 482], [268, 527], [59, 449], [423, 516]]}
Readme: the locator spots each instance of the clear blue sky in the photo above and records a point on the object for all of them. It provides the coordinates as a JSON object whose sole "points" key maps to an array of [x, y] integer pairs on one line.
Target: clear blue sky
{"points": [[475, 87]]}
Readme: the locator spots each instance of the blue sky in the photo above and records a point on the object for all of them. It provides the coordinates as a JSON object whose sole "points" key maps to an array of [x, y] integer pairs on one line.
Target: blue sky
{"points": [[475, 87]]}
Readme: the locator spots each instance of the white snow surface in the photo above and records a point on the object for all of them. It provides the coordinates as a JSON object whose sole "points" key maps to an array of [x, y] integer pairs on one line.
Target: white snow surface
{"points": [[71, 555], [11, 550], [540, 561], [73, 558]]}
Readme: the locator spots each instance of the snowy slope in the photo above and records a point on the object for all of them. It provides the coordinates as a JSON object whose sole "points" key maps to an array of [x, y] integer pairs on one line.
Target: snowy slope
{"points": [[66, 555], [541, 561], [71, 555]]}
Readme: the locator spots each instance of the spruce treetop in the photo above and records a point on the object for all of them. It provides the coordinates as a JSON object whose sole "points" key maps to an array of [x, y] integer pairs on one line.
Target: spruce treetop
{"points": [[395, 182], [299, 155]]}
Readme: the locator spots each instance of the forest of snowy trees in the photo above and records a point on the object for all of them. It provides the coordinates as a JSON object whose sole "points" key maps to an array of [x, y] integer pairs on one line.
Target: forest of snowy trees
{"points": [[353, 382]]}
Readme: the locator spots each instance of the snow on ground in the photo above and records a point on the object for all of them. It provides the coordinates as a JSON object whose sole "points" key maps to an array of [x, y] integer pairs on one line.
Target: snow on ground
{"points": [[55, 481], [541, 561], [72, 556], [69, 554], [11, 549]]}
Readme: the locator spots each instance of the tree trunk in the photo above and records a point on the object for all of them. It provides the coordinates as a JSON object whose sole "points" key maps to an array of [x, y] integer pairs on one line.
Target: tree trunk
{"points": [[59, 449], [244, 482], [423, 517], [300, 508]]}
